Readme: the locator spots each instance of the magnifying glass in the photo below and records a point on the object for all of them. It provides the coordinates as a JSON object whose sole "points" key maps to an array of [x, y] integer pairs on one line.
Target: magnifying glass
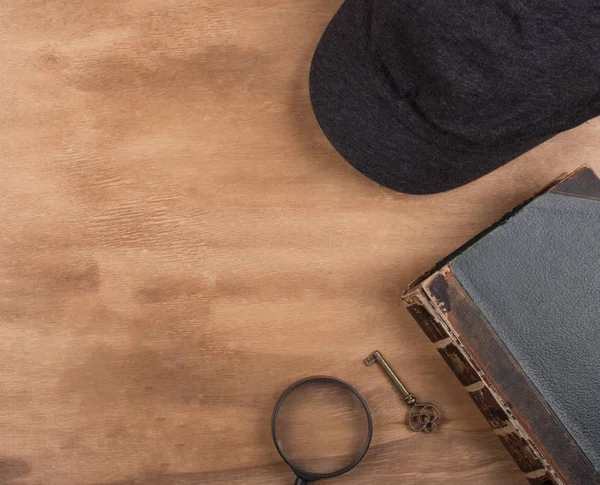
{"points": [[322, 428]]}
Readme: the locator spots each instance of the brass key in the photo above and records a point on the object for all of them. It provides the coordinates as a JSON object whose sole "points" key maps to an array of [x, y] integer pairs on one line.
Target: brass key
{"points": [[422, 417]]}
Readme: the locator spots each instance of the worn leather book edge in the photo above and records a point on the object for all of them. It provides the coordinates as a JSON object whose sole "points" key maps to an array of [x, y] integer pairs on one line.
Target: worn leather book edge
{"points": [[433, 321]]}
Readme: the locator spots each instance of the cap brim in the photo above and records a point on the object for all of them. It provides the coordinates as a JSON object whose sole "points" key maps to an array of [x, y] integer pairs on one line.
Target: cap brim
{"points": [[356, 109]]}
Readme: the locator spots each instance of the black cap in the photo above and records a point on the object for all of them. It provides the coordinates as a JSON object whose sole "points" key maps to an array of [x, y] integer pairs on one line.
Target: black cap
{"points": [[424, 96]]}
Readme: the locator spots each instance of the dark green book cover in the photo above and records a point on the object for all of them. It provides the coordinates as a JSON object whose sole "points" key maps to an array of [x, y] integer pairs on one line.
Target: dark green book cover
{"points": [[516, 315]]}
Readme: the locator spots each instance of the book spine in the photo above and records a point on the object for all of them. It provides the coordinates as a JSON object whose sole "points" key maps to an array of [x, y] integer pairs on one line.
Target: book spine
{"points": [[509, 431]]}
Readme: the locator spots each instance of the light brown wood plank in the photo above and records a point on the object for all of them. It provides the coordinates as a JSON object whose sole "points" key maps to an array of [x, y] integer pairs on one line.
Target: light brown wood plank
{"points": [[180, 242]]}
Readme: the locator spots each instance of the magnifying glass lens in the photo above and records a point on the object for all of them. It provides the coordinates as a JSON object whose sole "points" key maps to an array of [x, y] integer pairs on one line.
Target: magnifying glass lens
{"points": [[322, 427]]}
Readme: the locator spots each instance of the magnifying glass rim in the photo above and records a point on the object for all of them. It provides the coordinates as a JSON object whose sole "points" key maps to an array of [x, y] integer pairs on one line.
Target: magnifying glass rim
{"points": [[309, 476]]}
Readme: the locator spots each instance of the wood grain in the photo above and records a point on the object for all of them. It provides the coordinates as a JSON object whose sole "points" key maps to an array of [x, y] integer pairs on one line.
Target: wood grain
{"points": [[180, 242]]}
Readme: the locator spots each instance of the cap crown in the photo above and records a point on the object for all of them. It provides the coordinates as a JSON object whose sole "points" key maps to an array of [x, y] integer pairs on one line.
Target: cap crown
{"points": [[496, 71]]}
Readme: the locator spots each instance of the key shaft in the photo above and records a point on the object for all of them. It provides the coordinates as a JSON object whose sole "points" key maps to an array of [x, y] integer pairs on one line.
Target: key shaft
{"points": [[376, 357]]}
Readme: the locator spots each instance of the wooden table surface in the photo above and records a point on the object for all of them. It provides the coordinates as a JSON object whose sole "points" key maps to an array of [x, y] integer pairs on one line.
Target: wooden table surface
{"points": [[180, 242]]}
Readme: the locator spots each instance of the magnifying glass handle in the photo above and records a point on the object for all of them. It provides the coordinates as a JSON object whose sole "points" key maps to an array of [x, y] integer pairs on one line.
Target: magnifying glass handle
{"points": [[300, 481]]}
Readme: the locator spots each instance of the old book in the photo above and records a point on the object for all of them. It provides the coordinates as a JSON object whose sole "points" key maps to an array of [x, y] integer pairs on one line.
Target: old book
{"points": [[516, 314]]}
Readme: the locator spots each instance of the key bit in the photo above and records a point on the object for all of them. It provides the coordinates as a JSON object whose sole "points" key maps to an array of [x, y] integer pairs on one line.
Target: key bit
{"points": [[422, 417]]}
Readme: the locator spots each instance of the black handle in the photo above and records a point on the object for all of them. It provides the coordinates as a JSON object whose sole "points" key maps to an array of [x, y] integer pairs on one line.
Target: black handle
{"points": [[300, 481]]}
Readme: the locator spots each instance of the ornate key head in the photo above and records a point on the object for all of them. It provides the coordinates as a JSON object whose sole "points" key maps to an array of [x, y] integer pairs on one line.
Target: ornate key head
{"points": [[423, 417]]}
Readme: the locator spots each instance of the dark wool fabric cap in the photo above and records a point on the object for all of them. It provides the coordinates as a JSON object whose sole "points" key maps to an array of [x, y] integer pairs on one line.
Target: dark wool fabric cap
{"points": [[424, 96]]}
